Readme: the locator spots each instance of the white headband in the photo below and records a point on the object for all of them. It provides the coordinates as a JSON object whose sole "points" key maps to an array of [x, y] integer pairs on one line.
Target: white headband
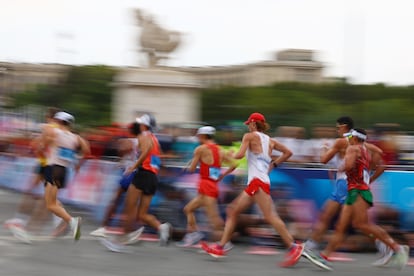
{"points": [[355, 133]]}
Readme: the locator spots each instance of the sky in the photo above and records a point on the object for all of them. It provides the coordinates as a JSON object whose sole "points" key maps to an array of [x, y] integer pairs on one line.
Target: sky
{"points": [[367, 41]]}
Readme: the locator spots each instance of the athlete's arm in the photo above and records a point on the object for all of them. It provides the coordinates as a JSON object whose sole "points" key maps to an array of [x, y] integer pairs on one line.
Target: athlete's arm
{"points": [[85, 150], [196, 159], [286, 153], [329, 153], [377, 164], [243, 147], [227, 159]]}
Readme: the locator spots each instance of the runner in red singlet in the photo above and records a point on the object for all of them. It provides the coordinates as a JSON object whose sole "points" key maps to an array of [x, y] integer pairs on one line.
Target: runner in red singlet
{"points": [[357, 166], [210, 157]]}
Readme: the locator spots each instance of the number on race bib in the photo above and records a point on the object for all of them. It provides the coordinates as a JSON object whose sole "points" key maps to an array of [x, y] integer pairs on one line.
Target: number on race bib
{"points": [[214, 173], [66, 154], [155, 162]]}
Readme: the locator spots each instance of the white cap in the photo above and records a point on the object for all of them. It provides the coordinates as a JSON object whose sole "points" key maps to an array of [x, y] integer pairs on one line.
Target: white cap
{"points": [[208, 130], [355, 133], [64, 116], [145, 120]]}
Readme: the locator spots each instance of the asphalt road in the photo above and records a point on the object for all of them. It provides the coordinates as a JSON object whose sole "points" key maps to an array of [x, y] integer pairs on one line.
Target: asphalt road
{"points": [[64, 257]]}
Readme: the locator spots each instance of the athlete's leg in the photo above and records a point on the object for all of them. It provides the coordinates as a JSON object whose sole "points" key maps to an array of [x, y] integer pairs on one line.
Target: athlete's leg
{"points": [[330, 209], [341, 227], [189, 209], [143, 214], [130, 208], [52, 203], [239, 204], [266, 205], [360, 221], [113, 206], [211, 208]]}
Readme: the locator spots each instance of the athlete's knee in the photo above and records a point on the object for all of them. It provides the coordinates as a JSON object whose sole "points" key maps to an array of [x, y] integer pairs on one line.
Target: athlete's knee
{"points": [[231, 211], [187, 210]]}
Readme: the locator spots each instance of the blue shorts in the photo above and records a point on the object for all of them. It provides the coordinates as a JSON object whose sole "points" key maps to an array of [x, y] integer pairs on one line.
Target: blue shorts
{"points": [[340, 191], [126, 180]]}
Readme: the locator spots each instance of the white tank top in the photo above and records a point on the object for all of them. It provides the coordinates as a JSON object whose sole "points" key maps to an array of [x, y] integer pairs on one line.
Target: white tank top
{"points": [[63, 152], [129, 159], [258, 163], [339, 162]]}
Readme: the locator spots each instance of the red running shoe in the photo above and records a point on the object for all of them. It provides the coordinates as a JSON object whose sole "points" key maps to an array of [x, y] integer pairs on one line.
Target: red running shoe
{"points": [[293, 256], [214, 250]]}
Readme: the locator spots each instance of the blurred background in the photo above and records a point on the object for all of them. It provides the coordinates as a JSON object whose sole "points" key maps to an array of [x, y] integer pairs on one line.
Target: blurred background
{"points": [[214, 63]]}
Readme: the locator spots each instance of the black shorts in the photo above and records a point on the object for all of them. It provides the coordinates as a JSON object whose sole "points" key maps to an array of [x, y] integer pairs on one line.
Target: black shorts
{"points": [[39, 169], [55, 175], [146, 181]]}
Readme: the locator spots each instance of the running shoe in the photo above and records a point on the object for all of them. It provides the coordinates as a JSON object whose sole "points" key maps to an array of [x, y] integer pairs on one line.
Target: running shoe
{"points": [[20, 234], [384, 257], [190, 239], [114, 246], [100, 232], [400, 258], [293, 255], [14, 222], [311, 245], [228, 246], [316, 259], [214, 250], [75, 225], [164, 233], [133, 237]]}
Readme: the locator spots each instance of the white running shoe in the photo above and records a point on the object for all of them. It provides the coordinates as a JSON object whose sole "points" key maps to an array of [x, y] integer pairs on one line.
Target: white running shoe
{"points": [[100, 232], [164, 233], [228, 246], [400, 258], [311, 245], [190, 239], [384, 258], [133, 237], [20, 234], [114, 246], [75, 225], [316, 259]]}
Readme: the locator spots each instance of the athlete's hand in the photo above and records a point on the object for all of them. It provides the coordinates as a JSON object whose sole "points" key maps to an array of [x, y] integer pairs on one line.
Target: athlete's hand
{"points": [[129, 170]]}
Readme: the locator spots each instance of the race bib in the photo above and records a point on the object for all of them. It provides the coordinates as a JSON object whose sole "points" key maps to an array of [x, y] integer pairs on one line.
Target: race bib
{"points": [[214, 173], [66, 154], [155, 162]]}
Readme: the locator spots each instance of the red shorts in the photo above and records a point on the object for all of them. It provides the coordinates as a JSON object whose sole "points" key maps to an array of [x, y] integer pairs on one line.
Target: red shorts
{"points": [[208, 187], [254, 186]]}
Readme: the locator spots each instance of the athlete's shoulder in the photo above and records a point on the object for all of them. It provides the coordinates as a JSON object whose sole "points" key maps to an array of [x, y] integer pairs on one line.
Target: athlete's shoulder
{"points": [[341, 143]]}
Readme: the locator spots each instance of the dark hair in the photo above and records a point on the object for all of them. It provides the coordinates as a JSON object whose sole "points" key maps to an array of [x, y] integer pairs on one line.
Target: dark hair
{"points": [[262, 126], [345, 120], [134, 129]]}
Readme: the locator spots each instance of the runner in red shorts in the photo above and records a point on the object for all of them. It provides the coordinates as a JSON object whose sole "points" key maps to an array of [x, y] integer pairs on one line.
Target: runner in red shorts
{"points": [[258, 147], [210, 157]]}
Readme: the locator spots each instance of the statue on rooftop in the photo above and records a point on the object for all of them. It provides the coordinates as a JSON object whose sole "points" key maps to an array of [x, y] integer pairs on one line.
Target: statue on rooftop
{"points": [[156, 42]]}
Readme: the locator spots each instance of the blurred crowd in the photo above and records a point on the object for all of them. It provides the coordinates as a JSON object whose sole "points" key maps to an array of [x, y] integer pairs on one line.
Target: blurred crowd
{"points": [[179, 140]]}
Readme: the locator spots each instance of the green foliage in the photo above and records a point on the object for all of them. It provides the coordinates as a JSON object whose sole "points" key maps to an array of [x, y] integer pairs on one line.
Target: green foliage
{"points": [[86, 94], [307, 105]]}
